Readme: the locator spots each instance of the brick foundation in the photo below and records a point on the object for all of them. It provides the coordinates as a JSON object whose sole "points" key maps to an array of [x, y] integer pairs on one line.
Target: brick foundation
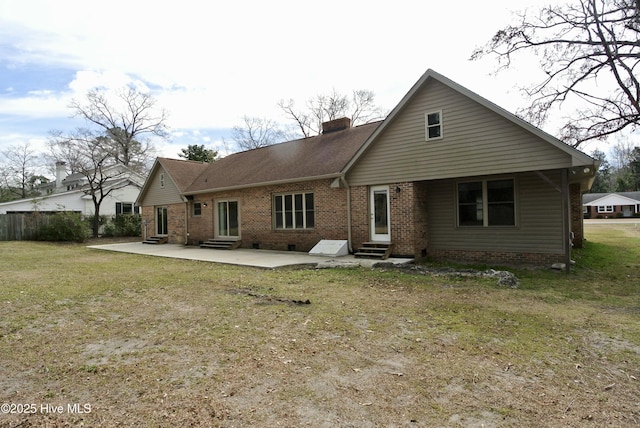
{"points": [[496, 257]]}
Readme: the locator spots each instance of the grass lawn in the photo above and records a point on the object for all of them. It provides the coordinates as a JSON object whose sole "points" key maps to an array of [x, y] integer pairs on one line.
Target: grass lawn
{"points": [[97, 338]]}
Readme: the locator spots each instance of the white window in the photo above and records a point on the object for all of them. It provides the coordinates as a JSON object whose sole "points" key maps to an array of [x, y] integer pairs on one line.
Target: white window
{"points": [[433, 125], [605, 208], [487, 203], [293, 211], [161, 180], [127, 208]]}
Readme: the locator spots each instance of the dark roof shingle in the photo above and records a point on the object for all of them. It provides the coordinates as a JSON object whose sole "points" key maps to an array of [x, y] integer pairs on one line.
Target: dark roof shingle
{"points": [[304, 159], [183, 172]]}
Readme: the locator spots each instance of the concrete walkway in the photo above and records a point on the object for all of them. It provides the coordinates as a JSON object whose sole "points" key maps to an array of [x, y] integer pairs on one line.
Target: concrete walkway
{"points": [[242, 257]]}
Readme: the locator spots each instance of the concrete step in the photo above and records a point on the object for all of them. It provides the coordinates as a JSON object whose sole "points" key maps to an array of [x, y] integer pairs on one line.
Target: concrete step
{"points": [[374, 250], [156, 240], [221, 244]]}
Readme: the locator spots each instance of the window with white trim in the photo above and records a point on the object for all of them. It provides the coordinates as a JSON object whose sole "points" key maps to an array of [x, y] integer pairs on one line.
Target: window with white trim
{"points": [[127, 208], [605, 208], [433, 125], [487, 203], [293, 211]]}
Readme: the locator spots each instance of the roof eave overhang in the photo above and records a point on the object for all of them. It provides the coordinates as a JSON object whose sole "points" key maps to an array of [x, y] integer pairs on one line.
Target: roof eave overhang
{"points": [[264, 184]]}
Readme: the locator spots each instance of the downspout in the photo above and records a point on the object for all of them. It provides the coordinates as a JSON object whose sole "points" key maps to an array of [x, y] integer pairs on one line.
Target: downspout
{"points": [[566, 213], [344, 180], [186, 222], [566, 219]]}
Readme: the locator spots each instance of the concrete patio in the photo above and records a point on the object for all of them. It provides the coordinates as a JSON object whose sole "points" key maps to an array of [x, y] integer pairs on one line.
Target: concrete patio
{"points": [[244, 257]]}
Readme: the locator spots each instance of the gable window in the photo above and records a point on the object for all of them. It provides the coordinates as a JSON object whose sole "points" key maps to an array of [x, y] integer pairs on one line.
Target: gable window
{"points": [[293, 211], [605, 208], [197, 209], [486, 203], [433, 125], [161, 180]]}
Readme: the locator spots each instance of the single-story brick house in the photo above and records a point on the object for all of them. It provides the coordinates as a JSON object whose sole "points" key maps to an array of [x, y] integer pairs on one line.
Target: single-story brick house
{"points": [[447, 175], [611, 205]]}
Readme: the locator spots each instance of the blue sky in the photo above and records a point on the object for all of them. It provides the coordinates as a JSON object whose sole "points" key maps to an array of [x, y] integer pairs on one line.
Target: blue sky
{"points": [[210, 63]]}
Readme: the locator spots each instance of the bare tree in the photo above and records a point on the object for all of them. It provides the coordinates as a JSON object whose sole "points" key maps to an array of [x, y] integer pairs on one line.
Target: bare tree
{"points": [[360, 108], [20, 170], [257, 132], [622, 153], [590, 52], [94, 159], [128, 121]]}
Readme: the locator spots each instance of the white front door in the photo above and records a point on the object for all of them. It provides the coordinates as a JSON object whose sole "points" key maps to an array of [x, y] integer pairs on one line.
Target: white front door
{"points": [[379, 213]]}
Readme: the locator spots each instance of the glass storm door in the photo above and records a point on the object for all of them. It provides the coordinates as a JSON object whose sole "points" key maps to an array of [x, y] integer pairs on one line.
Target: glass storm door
{"points": [[228, 224], [380, 229], [162, 221]]}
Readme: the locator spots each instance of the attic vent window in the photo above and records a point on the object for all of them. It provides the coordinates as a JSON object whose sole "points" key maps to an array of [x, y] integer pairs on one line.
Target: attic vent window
{"points": [[433, 125], [161, 180]]}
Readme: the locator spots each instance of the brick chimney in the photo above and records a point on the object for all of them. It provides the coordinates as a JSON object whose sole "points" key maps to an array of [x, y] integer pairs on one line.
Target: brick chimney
{"points": [[336, 125]]}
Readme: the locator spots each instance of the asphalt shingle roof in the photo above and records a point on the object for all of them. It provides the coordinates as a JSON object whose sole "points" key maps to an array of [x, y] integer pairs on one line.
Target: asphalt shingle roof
{"points": [[183, 172], [590, 197], [304, 159]]}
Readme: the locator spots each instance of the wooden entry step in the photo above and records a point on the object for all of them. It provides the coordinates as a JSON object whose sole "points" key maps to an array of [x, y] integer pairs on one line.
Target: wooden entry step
{"points": [[374, 250], [156, 240], [221, 244]]}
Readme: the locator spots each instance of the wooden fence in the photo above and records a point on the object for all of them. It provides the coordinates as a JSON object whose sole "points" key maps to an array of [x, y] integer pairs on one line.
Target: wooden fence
{"points": [[21, 226]]}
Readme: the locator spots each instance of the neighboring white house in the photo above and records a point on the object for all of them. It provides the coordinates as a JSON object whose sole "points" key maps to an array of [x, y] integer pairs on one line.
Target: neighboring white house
{"points": [[615, 204], [71, 193]]}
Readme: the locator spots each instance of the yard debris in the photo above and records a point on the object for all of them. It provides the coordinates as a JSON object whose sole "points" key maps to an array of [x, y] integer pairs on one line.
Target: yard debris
{"points": [[266, 298]]}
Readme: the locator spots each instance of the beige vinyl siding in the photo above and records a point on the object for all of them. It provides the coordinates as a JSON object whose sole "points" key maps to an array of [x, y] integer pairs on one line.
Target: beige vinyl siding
{"points": [[538, 219], [476, 141], [157, 195]]}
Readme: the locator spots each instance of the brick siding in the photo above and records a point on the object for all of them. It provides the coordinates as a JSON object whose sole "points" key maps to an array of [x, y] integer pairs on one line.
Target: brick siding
{"points": [[256, 219], [175, 222], [407, 206], [408, 210], [577, 218]]}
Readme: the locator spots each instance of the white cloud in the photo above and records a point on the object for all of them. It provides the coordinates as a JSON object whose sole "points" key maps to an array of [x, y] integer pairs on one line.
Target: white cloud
{"points": [[210, 63]]}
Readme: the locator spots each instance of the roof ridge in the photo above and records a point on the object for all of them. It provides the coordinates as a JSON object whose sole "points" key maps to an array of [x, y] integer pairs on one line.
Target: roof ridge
{"points": [[305, 138]]}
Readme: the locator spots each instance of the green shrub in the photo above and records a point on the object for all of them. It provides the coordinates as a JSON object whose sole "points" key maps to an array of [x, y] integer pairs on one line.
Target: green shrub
{"points": [[123, 225], [64, 226]]}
